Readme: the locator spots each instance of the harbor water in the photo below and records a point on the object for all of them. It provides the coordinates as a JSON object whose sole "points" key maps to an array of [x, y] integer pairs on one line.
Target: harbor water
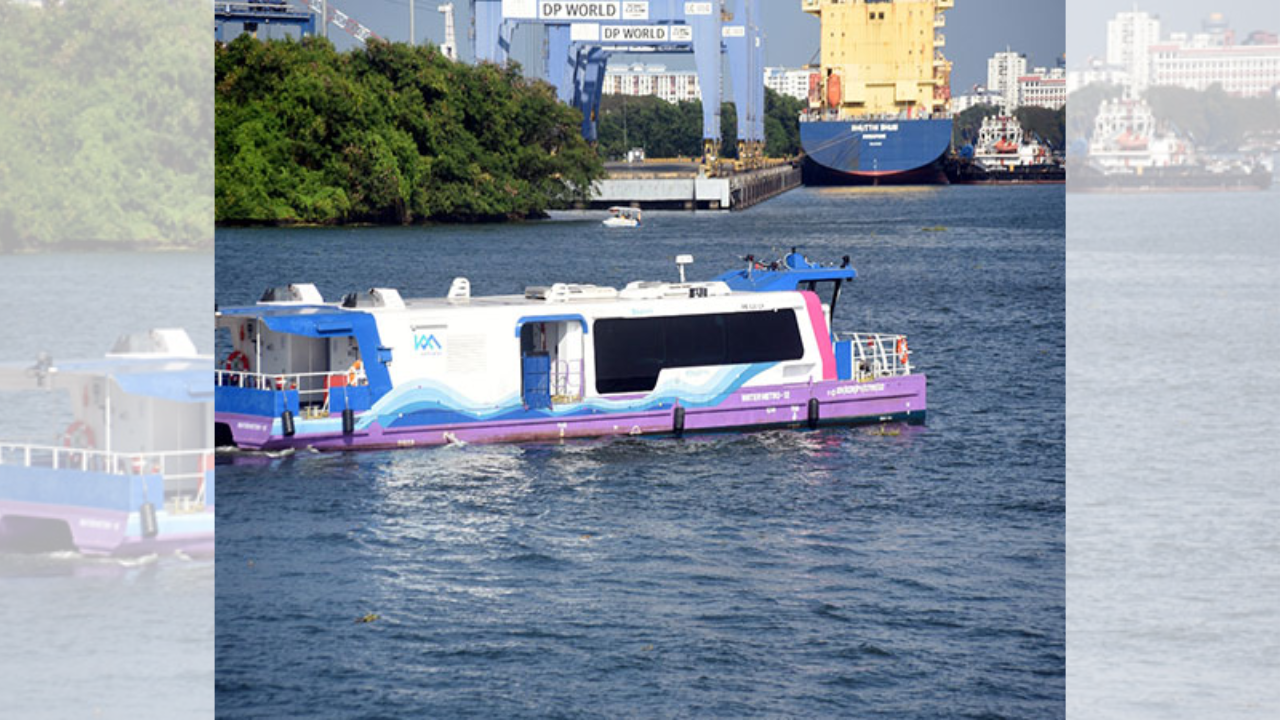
{"points": [[1172, 576], [870, 572], [88, 637]]}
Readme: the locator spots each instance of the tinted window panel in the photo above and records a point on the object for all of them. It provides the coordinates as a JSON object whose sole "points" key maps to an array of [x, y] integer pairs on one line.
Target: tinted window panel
{"points": [[630, 352]]}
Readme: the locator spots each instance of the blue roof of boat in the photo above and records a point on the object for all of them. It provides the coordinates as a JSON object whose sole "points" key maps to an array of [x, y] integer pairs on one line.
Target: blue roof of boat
{"points": [[786, 274], [185, 380]]}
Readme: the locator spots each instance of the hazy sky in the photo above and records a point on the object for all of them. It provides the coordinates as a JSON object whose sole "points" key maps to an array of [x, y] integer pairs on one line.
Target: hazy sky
{"points": [[1087, 19], [975, 30]]}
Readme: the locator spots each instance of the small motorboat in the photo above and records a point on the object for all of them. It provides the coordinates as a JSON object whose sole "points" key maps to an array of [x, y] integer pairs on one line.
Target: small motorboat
{"points": [[623, 217]]}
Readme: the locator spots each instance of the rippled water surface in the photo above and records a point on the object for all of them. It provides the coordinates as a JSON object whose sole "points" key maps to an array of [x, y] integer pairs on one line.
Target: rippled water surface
{"points": [[84, 637], [1173, 574], [890, 572]]}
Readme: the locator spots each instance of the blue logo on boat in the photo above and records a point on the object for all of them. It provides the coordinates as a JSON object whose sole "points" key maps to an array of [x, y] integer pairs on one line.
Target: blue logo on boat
{"points": [[427, 344]]}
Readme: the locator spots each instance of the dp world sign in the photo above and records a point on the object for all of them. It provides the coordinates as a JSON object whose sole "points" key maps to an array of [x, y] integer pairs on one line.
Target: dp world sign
{"points": [[575, 9]]}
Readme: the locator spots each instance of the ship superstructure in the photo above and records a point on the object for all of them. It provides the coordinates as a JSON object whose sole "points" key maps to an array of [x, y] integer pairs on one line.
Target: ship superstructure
{"points": [[879, 109]]}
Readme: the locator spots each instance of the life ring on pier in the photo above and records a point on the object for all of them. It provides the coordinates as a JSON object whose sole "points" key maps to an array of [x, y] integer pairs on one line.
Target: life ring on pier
{"points": [[236, 363], [901, 348], [78, 435], [355, 373]]}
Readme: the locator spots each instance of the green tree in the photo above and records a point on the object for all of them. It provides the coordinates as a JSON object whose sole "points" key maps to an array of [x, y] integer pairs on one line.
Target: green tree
{"points": [[667, 130], [106, 136], [387, 134]]}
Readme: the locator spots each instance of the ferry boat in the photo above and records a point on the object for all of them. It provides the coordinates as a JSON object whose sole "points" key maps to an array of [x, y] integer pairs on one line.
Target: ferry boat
{"points": [[752, 348], [879, 107], [132, 474]]}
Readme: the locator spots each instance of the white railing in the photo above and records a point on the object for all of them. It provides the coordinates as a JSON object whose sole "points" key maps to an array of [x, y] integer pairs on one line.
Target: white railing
{"points": [[566, 381], [311, 387], [175, 465], [251, 6], [878, 355], [834, 115]]}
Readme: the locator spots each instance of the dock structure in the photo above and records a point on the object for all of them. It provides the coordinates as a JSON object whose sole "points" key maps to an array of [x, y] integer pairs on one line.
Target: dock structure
{"points": [[581, 35], [683, 185]]}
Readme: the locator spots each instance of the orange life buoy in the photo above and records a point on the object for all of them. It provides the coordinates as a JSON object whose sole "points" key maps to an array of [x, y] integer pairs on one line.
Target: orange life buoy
{"points": [[355, 374], [901, 348]]}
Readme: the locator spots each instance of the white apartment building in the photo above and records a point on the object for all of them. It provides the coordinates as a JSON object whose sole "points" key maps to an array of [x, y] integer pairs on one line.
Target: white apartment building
{"points": [[1096, 72], [1003, 71], [793, 82], [1246, 70], [1130, 36], [1043, 88], [636, 80], [977, 96]]}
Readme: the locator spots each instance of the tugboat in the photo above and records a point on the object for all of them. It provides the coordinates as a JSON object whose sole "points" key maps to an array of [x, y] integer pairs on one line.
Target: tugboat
{"points": [[753, 348], [1128, 152], [1004, 155], [132, 474]]}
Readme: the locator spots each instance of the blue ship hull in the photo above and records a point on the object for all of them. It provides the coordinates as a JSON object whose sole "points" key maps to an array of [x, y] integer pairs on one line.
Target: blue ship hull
{"points": [[875, 151]]}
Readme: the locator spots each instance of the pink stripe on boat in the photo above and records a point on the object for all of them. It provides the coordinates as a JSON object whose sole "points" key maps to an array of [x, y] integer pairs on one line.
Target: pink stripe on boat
{"points": [[819, 321]]}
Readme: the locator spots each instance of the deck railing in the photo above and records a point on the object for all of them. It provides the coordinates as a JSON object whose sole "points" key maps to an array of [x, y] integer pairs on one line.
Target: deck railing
{"points": [[878, 355], [566, 381], [178, 465], [312, 387]]}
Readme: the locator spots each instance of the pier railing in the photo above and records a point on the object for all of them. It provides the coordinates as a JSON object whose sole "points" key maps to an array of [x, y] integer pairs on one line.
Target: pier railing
{"points": [[877, 355]]}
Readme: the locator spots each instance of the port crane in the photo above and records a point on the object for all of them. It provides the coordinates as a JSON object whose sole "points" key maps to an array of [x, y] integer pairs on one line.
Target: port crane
{"points": [[253, 13], [341, 20]]}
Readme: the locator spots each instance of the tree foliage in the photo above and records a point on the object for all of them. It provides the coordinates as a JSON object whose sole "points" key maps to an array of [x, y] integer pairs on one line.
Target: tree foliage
{"points": [[106, 124], [1037, 122], [1082, 108], [1212, 119], [667, 130], [1050, 126], [965, 125], [387, 134]]}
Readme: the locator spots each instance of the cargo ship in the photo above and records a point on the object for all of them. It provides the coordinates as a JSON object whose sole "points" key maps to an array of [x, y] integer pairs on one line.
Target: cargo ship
{"points": [[879, 108]]}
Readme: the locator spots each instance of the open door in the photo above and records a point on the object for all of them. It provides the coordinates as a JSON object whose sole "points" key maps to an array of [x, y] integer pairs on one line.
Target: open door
{"points": [[551, 360]]}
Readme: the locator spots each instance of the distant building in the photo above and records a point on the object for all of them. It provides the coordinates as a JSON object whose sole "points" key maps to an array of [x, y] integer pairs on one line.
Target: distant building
{"points": [[978, 95], [1246, 70], [793, 82], [1096, 72], [1129, 38], [656, 80], [1003, 71], [1044, 88], [1262, 37]]}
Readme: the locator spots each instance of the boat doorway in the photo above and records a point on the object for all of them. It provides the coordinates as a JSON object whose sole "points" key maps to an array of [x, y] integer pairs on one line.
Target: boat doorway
{"points": [[551, 361]]}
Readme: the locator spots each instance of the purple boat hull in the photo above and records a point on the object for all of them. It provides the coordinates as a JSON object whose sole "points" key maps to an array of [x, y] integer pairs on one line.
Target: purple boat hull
{"points": [[42, 509], [897, 399]]}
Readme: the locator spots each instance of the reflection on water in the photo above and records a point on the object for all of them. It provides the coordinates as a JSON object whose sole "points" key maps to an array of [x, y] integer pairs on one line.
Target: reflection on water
{"points": [[910, 572]]}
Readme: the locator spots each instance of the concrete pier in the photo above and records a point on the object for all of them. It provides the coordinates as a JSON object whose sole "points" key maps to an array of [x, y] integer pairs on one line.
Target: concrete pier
{"points": [[683, 186]]}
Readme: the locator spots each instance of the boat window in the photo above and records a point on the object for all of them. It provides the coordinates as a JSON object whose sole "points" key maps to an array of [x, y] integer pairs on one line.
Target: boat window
{"points": [[630, 352]]}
